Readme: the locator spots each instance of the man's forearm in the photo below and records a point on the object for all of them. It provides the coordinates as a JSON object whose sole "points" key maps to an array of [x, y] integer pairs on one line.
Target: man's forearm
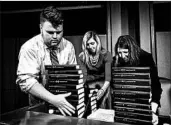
{"points": [[39, 91]]}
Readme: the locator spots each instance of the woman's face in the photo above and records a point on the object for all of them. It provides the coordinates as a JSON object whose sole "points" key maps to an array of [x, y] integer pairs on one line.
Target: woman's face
{"points": [[124, 54], [91, 46]]}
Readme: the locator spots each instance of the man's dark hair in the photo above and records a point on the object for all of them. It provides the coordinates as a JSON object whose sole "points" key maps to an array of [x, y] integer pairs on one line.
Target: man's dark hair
{"points": [[128, 42], [53, 15]]}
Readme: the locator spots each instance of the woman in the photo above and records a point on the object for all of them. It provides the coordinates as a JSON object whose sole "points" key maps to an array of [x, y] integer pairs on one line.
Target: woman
{"points": [[96, 65], [128, 53]]}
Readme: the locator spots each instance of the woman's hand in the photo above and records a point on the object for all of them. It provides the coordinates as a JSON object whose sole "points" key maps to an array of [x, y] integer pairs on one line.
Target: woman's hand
{"points": [[100, 93], [103, 89], [155, 119]]}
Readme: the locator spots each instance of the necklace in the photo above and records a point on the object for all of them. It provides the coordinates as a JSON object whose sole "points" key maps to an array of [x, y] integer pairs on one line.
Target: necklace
{"points": [[94, 60]]}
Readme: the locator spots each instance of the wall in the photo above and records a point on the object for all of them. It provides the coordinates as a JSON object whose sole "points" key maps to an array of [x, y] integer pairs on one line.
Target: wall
{"points": [[122, 19], [163, 40], [165, 100], [144, 26], [11, 97], [77, 42], [113, 25], [163, 47]]}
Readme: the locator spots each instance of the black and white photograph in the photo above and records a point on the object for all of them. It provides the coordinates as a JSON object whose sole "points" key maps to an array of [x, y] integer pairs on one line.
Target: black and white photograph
{"points": [[85, 62]]}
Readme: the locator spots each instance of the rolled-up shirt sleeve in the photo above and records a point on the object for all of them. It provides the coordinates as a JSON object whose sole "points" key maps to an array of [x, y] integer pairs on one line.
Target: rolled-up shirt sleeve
{"points": [[28, 69], [72, 57]]}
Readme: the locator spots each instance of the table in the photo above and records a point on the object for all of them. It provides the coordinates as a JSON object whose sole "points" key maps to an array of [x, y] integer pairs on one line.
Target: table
{"points": [[35, 116]]}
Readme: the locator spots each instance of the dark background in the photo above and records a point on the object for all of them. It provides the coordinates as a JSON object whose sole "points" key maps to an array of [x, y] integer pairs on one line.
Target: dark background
{"points": [[76, 22], [17, 26]]}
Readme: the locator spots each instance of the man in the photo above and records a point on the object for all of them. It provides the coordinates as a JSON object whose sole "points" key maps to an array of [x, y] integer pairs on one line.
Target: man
{"points": [[128, 53], [37, 52]]}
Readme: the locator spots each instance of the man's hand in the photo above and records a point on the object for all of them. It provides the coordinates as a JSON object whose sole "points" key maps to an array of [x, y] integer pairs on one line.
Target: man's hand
{"points": [[62, 104], [58, 101]]}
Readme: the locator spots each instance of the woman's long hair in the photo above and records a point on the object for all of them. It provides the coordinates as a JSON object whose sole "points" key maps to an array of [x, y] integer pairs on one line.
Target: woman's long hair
{"points": [[88, 35], [128, 42]]}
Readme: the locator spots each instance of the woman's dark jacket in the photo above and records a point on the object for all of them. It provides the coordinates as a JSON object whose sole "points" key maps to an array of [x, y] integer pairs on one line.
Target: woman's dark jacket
{"points": [[146, 60]]}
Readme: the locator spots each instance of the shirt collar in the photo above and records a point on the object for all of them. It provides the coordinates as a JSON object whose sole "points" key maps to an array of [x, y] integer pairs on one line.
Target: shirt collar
{"points": [[59, 47]]}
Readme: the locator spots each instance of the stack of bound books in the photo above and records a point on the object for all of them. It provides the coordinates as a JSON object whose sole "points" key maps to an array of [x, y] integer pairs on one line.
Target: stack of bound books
{"points": [[93, 100], [62, 79], [131, 95]]}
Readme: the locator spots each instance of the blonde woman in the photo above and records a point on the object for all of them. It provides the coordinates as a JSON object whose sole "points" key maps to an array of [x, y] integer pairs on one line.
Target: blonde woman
{"points": [[96, 64]]}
